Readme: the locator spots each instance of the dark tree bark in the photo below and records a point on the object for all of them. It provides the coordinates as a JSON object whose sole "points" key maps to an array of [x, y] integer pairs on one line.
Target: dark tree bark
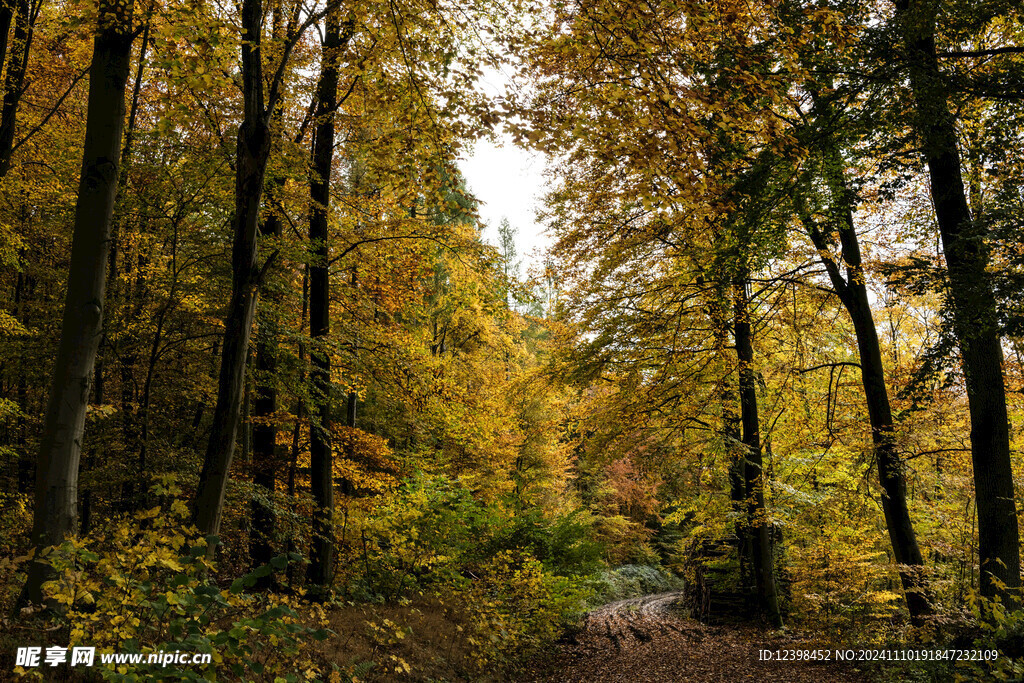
{"points": [[732, 435], [259, 102], [852, 292], [126, 153], [762, 559], [973, 304], [6, 15], [57, 475], [300, 414], [253, 151], [113, 344], [265, 455], [14, 79], [320, 451]]}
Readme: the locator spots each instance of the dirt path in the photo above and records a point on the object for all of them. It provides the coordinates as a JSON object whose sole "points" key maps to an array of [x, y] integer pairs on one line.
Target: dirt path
{"points": [[643, 639]]}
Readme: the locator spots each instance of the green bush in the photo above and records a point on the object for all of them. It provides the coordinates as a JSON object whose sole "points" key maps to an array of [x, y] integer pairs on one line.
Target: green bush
{"points": [[630, 581], [518, 606], [514, 572], [431, 531], [143, 585], [565, 544]]}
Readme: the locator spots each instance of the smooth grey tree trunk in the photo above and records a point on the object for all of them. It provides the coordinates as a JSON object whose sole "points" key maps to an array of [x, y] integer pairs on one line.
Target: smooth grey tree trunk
{"points": [[60, 449]]}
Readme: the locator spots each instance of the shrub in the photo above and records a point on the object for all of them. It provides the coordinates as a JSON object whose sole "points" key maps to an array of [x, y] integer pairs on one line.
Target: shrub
{"points": [[564, 544], [512, 572], [143, 585], [518, 606], [431, 529], [420, 534]]}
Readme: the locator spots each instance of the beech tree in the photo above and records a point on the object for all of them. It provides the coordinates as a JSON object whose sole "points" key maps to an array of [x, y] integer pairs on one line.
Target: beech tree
{"points": [[321, 461], [252, 150], [754, 476], [14, 55], [852, 292], [56, 500], [827, 215], [972, 300]]}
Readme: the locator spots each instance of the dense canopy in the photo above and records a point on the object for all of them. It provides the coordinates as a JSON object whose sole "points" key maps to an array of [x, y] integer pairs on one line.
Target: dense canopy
{"points": [[267, 393]]}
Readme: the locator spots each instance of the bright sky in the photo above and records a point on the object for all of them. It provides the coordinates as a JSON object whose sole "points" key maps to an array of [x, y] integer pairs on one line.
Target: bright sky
{"points": [[509, 183]]}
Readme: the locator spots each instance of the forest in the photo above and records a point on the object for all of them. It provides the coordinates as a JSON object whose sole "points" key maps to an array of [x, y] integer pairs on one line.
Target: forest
{"points": [[272, 408]]}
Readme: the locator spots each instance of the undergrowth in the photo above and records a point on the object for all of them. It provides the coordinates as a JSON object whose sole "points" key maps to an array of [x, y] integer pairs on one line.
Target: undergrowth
{"points": [[630, 581]]}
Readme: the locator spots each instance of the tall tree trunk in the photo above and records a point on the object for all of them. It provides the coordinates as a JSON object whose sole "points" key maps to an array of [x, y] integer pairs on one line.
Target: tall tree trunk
{"points": [[24, 475], [732, 436], [60, 449], [300, 414], [126, 153], [253, 151], [264, 430], [109, 338], [973, 303], [757, 517], [6, 15], [265, 457], [14, 80], [321, 474], [853, 293]]}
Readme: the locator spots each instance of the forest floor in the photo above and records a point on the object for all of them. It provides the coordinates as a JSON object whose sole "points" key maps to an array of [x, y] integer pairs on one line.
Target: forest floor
{"points": [[646, 640]]}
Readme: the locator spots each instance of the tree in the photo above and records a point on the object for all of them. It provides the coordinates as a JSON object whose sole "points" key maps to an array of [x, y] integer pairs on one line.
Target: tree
{"points": [[762, 557], [972, 300], [321, 460], [16, 58], [265, 452], [852, 292], [252, 153], [60, 450], [830, 224]]}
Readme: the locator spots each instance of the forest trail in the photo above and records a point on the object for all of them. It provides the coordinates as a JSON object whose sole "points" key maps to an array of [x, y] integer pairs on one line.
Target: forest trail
{"points": [[645, 640]]}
